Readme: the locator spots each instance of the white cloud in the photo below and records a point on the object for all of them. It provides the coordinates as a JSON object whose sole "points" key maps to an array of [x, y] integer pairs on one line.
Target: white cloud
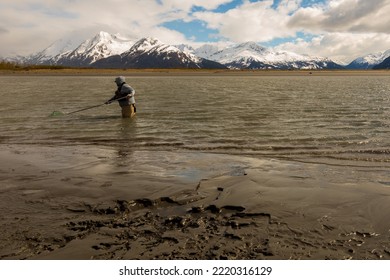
{"points": [[256, 21], [342, 29], [343, 47], [186, 5], [344, 16], [33, 25], [288, 6]]}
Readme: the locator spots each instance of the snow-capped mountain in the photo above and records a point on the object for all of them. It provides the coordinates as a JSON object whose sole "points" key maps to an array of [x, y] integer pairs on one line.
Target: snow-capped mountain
{"points": [[250, 55], [152, 53], [368, 61], [112, 51], [101, 46], [204, 51], [185, 48], [68, 53], [385, 64], [18, 59], [46, 56]]}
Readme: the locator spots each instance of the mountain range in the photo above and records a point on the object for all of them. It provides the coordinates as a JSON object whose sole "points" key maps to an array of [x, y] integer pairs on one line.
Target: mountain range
{"points": [[66, 53], [250, 55], [106, 50], [152, 53], [369, 61]]}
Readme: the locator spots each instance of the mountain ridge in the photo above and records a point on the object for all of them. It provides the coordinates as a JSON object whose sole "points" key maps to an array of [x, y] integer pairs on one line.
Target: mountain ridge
{"points": [[114, 51], [250, 55], [385, 64], [368, 61], [152, 53]]}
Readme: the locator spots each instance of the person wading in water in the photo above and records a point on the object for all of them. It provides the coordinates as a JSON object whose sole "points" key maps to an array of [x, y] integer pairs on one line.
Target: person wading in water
{"points": [[125, 96]]}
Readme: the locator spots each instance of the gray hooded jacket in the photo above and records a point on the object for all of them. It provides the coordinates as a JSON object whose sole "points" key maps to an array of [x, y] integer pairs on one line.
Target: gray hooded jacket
{"points": [[122, 91]]}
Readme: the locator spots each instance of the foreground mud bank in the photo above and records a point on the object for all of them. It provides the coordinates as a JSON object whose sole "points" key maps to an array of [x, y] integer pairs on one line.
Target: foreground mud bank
{"points": [[73, 207]]}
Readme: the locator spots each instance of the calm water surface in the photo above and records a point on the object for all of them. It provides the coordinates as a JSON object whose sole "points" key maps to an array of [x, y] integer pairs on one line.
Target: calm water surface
{"points": [[333, 120]]}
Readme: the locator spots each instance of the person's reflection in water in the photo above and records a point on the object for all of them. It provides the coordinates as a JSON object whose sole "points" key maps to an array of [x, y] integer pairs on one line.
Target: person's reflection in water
{"points": [[126, 142]]}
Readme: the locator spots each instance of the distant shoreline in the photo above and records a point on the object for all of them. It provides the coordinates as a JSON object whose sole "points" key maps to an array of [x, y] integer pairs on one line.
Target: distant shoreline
{"points": [[196, 72]]}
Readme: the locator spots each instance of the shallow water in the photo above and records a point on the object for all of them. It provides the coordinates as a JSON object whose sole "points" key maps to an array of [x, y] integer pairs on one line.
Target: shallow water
{"points": [[332, 120]]}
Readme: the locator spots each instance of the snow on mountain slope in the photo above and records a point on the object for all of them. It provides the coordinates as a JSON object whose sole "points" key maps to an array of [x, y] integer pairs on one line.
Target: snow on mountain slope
{"points": [[149, 45], [75, 53], [243, 52], [154, 47], [58, 47], [253, 56], [100, 46], [369, 61], [204, 51], [107, 50], [185, 48], [207, 50], [152, 53]]}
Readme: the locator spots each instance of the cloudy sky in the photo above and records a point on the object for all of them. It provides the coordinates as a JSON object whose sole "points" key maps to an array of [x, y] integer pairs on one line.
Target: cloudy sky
{"points": [[339, 29]]}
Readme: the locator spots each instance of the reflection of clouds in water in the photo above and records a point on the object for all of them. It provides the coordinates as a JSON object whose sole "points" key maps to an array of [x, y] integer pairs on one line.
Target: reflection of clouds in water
{"points": [[192, 167], [186, 166]]}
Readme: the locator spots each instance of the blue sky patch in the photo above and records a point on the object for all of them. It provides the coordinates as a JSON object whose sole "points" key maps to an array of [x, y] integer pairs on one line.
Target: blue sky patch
{"points": [[309, 3], [195, 30], [234, 3], [195, 9], [228, 6], [198, 31], [277, 41]]}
